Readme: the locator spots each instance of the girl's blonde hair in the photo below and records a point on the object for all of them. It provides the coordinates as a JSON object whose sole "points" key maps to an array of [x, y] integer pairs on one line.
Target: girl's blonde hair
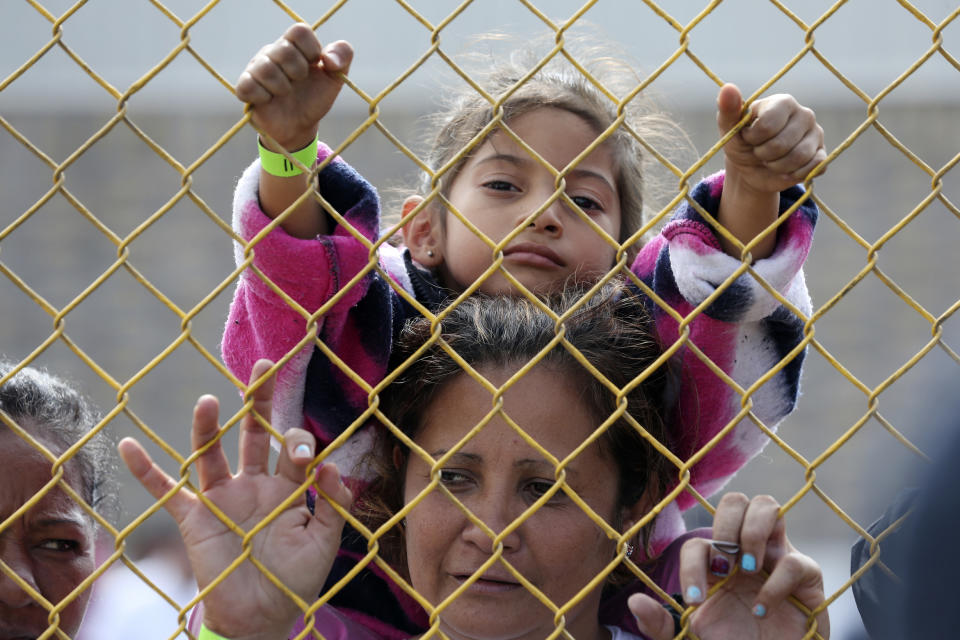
{"points": [[597, 99]]}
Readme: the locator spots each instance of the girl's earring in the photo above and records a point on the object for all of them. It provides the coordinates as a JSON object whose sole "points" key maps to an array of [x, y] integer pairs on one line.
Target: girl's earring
{"points": [[429, 253]]}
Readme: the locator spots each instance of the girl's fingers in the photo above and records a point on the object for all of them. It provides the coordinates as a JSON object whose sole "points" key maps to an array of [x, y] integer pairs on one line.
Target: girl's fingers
{"points": [[212, 465], [799, 155], [787, 141], [305, 40], [298, 451], [761, 523], [268, 74], [254, 439], [251, 91], [818, 156], [770, 117], [727, 522], [795, 574], [289, 59], [337, 57], [653, 620], [154, 479]]}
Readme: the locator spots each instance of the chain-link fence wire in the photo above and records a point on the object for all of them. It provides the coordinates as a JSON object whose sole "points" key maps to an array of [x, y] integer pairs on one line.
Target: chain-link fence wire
{"points": [[117, 255]]}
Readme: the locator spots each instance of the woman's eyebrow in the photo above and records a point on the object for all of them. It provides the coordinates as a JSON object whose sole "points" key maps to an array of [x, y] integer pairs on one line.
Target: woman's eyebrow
{"points": [[56, 522], [548, 467], [543, 464], [458, 455]]}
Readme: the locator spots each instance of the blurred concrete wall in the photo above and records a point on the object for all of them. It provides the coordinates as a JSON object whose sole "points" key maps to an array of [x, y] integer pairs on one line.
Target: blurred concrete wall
{"points": [[743, 41], [872, 332]]}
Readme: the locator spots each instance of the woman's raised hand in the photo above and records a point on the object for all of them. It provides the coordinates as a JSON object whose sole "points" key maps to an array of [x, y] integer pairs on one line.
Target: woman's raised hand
{"points": [[749, 605], [292, 83], [298, 547]]}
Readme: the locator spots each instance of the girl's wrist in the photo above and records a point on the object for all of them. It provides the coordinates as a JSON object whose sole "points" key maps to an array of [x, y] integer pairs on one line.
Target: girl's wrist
{"points": [[746, 211], [292, 143], [280, 165], [207, 634], [735, 181]]}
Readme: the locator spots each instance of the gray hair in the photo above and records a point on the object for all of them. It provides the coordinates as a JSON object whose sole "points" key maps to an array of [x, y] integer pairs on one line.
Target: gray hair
{"points": [[53, 411]]}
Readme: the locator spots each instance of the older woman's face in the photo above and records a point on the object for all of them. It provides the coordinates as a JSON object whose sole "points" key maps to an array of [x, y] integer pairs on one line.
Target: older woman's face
{"points": [[51, 546], [498, 475]]}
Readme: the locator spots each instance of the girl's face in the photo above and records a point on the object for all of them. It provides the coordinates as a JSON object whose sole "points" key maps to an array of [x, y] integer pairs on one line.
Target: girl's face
{"points": [[51, 546], [497, 476], [501, 185]]}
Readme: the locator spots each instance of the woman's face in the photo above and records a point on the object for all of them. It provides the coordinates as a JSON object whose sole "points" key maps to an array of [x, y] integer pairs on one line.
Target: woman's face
{"points": [[51, 546], [497, 475]]}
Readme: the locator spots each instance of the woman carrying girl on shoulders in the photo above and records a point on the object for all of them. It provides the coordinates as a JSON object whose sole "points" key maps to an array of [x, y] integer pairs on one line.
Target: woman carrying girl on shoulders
{"points": [[548, 194]]}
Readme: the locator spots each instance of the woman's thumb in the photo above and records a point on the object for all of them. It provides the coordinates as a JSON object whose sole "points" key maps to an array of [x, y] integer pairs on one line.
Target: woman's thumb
{"points": [[652, 619]]}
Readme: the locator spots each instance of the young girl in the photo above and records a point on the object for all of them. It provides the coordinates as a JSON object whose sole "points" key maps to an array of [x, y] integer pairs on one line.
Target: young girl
{"points": [[488, 519], [314, 276]]}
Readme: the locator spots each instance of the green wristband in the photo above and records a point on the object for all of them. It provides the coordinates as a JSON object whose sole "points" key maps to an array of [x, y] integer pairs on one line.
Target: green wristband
{"points": [[206, 634], [277, 164]]}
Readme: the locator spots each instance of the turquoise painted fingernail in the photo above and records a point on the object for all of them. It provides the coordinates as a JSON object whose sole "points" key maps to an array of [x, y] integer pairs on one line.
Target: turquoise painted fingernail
{"points": [[693, 595], [302, 451], [759, 610], [748, 562]]}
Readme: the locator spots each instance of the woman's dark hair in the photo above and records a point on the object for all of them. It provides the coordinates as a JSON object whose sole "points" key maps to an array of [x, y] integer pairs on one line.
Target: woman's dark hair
{"points": [[613, 332], [57, 415]]}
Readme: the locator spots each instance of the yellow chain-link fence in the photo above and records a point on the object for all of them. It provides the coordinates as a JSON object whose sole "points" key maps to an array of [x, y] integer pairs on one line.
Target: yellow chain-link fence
{"points": [[149, 274]]}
